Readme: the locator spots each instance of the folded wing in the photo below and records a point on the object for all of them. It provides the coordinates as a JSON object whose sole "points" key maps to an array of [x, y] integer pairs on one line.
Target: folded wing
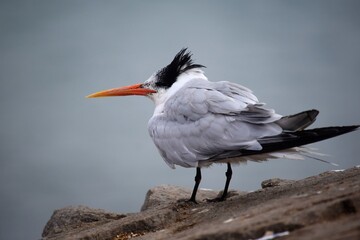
{"points": [[205, 118]]}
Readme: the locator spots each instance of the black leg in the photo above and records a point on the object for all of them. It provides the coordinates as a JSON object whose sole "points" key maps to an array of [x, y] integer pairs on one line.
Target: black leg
{"points": [[197, 182], [228, 175]]}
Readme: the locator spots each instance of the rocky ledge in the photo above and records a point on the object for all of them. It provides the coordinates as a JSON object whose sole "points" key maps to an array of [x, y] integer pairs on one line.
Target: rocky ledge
{"points": [[326, 206]]}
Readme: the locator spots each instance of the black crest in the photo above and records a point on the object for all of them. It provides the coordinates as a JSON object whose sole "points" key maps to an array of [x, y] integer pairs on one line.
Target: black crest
{"points": [[181, 63]]}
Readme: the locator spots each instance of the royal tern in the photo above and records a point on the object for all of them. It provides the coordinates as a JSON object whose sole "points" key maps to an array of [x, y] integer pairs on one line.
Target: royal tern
{"points": [[197, 122]]}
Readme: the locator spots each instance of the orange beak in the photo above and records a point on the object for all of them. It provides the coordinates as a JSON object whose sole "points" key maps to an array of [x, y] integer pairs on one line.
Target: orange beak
{"points": [[135, 89]]}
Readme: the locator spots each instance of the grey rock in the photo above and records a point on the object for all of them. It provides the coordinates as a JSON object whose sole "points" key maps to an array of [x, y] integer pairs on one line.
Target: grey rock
{"points": [[274, 182], [77, 217], [167, 194]]}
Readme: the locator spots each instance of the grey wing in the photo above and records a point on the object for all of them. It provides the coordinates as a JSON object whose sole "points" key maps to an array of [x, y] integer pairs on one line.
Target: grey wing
{"points": [[233, 101], [204, 119]]}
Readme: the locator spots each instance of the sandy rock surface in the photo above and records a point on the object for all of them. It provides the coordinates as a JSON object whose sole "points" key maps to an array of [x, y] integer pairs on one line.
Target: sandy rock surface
{"points": [[325, 206]]}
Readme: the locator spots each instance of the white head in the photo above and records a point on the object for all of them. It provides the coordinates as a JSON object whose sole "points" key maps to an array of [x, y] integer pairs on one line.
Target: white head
{"points": [[164, 83], [171, 78]]}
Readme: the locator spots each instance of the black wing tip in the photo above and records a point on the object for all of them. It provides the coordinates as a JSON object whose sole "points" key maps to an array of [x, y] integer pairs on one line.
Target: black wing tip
{"points": [[351, 128], [346, 128], [300, 138], [332, 131]]}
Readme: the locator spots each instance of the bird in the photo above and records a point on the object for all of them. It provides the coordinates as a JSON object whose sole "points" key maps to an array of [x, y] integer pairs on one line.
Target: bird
{"points": [[197, 122]]}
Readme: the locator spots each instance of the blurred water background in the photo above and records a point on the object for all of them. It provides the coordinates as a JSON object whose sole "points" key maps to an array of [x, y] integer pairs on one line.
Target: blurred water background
{"points": [[59, 149]]}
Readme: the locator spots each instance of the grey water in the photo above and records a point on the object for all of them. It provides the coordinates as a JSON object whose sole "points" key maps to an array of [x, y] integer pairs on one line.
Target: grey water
{"points": [[59, 148]]}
